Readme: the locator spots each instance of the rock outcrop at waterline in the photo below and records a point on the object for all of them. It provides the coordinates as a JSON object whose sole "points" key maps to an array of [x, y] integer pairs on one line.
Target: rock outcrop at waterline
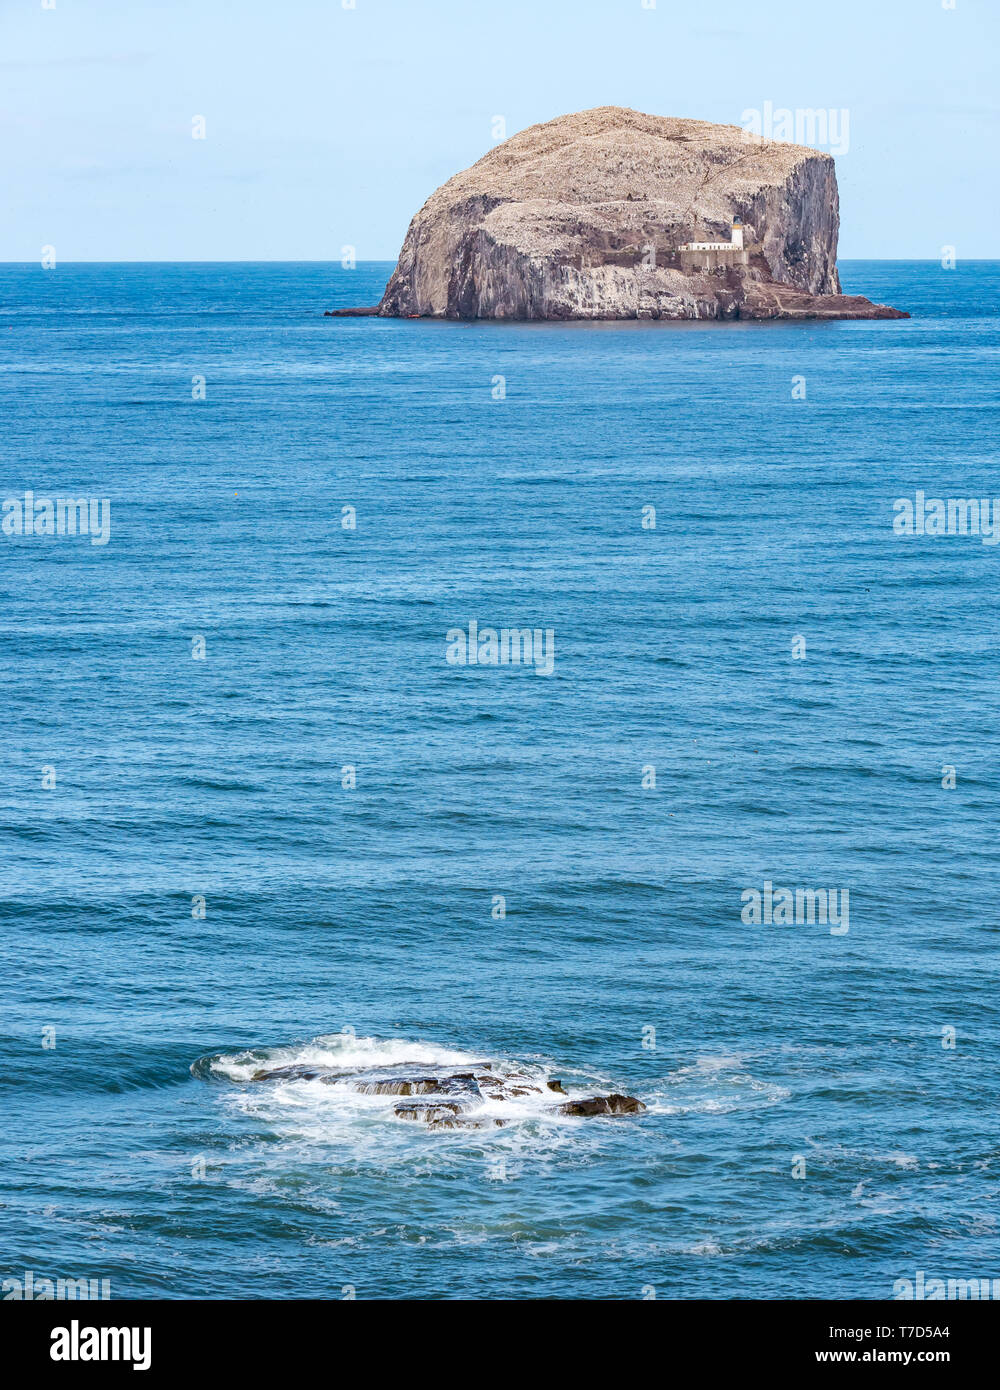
{"points": [[450, 1098], [584, 217]]}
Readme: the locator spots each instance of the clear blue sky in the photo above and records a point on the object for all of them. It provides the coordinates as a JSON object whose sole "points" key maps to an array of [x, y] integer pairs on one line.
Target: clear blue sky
{"points": [[327, 126]]}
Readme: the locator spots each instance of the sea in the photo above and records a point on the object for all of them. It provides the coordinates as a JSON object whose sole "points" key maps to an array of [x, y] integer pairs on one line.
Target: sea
{"points": [[257, 812]]}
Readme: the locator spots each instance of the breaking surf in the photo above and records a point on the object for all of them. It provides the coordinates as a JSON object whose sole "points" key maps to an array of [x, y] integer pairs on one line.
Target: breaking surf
{"points": [[440, 1088]]}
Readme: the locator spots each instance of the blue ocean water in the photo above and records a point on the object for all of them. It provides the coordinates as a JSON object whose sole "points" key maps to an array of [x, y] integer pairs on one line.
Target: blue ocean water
{"points": [[365, 918]]}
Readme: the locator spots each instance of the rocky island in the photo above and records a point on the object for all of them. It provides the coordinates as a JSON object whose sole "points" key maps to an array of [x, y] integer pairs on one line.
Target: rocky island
{"points": [[612, 214]]}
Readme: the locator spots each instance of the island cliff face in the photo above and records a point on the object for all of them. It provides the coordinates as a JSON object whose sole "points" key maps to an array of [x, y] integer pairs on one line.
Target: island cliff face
{"points": [[583, 218]]}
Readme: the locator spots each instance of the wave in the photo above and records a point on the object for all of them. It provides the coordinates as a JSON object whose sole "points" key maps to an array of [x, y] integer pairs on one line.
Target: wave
{"points": [[344, 1051], [363, 1093], [341, 1077], [714, 1085]]}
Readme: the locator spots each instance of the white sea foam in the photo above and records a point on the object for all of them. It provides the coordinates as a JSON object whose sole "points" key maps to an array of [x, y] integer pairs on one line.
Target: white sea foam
{"points": [[713, 1085], [308, 1108], [312, 1110], [899, 1159], [340, 1051]]}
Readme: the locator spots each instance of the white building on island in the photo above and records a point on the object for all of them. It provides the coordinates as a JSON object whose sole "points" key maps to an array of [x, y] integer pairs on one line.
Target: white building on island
{"points": [[709, 255]]}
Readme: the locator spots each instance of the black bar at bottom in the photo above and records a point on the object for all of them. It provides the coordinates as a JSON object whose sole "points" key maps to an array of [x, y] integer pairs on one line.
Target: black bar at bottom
{"points": [[176, 1337]]}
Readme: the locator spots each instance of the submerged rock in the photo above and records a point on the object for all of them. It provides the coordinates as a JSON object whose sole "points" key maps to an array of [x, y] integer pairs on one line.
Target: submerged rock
{"points": [[448, 1116], [298, 1072], [585, 217]]}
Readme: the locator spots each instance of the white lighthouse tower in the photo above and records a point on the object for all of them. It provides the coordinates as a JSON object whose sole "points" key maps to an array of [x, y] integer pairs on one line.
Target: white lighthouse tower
{"points": [[713, 255]]}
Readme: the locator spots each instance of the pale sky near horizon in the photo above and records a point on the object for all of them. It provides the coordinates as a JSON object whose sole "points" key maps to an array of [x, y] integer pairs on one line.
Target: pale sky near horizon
{"points": [[328, 126]]}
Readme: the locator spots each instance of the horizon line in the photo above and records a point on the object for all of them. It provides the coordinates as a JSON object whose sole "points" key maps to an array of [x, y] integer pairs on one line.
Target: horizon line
{"points": [[277, 260]]}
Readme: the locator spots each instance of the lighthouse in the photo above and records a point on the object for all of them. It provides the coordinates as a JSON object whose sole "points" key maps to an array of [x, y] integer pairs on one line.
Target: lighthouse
{"points": [[711, 255]]}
